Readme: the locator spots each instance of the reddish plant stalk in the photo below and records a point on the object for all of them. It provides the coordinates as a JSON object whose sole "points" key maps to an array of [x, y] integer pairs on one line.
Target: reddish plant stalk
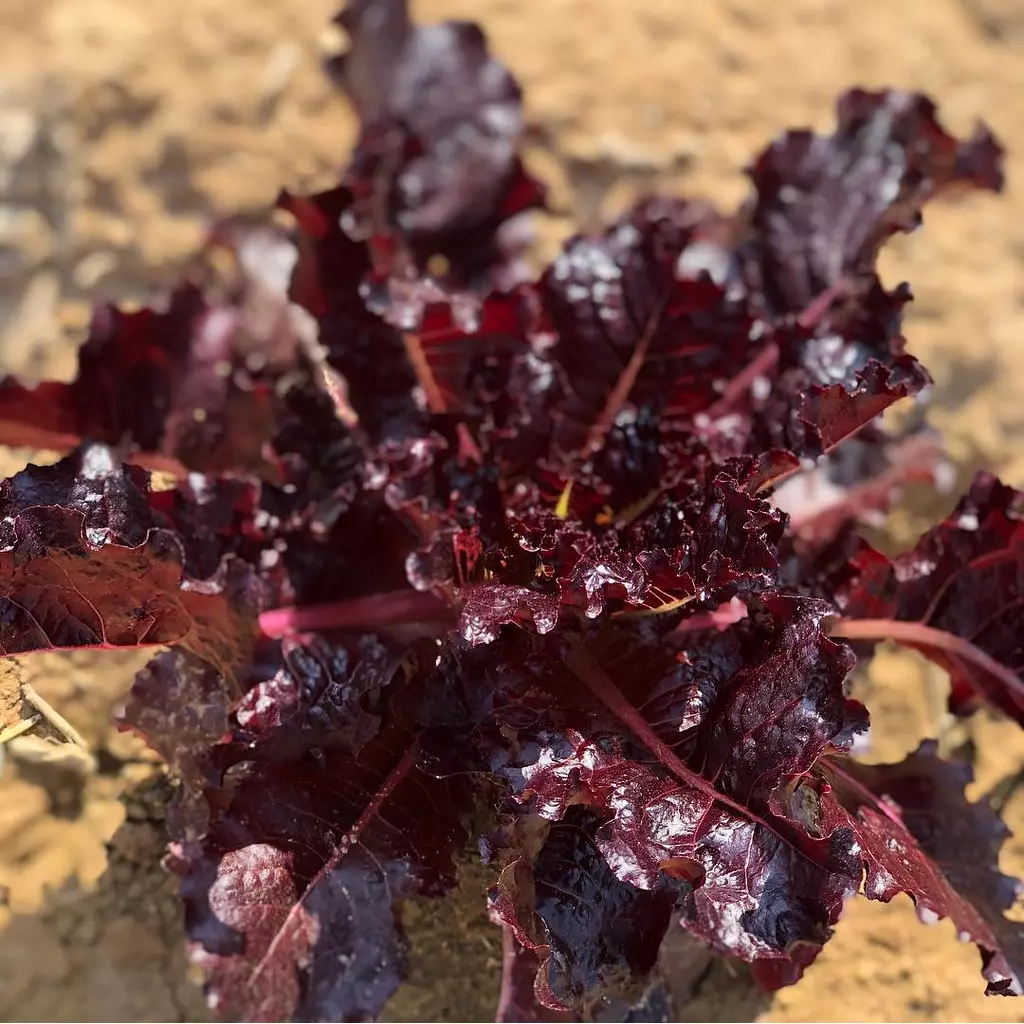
{"points": [[389, 609], [582, 664], [917, 634], [765, 362], [623, 386], [761, 365], [912, 460], [424, 374], [506, 998], [351, 837]]}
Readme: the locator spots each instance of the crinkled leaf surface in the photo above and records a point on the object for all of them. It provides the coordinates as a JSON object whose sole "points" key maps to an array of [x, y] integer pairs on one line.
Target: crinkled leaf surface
{"points": [[699, 543], [630, 332], [826, 203], [436, 168], [321, 696], [963, 584], [838, 369], [920, 835], [180, 705], [595, 936], [733, 717], [316, 833], [88, 561]]}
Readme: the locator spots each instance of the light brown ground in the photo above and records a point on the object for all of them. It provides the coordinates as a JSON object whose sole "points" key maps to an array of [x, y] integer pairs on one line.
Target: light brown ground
{"points": [[123, 124]]}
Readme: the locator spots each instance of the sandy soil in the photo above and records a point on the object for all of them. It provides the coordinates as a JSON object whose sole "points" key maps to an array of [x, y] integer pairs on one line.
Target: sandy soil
{"points": [[124, 126]]}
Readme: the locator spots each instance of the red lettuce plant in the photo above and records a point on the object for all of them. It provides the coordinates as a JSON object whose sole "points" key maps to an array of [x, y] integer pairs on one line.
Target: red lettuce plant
{"points": [[577, 555]]}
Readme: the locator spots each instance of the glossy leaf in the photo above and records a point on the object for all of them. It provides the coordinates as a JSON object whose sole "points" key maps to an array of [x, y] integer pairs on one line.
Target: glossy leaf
{"points": [[826, 203], [955, 597], [920, 835], [88, 561], [291, 897]]}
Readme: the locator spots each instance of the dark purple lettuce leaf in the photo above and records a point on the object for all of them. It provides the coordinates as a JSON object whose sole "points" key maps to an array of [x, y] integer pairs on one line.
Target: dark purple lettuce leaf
{"points": [[489, 395], [700, 238], [631, 334], [825, 204], [216, 516], [134, 383], [698, 544], [681, 673], [762, 891], [338, 563], [836, 412], [832, 375], [573, 571], [955, 597], [321, 696], [920, 835], [435, 171], [192, 387], [833, 358], [708, 539], [315, 834], [180, 705], [596, 938], [88, 559], [474, 359], [725, 718], [569, 474], [169, 384], [368, 352], [317, 457], [298, 694], [632, 466]]}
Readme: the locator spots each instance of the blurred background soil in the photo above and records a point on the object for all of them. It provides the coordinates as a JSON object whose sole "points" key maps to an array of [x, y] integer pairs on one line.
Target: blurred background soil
{"points": [[126, 126]]}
